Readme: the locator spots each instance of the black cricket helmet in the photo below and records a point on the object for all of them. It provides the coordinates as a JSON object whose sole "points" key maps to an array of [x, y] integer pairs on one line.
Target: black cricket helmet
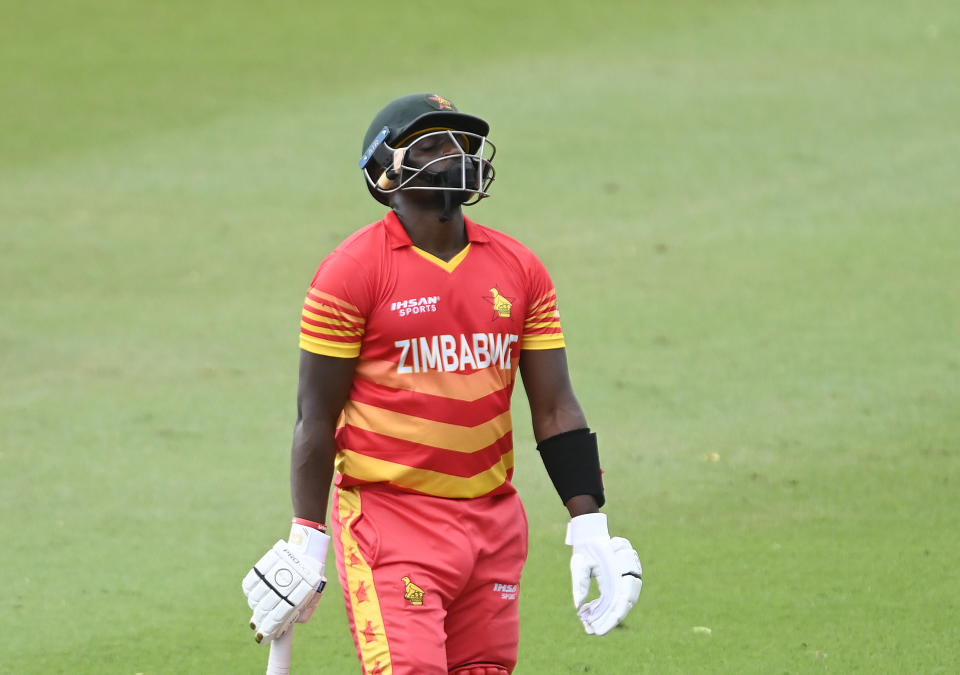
{"points": [[413, 119]]}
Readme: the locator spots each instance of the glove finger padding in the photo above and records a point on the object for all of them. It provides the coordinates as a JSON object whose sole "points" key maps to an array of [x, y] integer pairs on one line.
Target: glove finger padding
{"points": [[593, 559], [282, 584], [631, 572], [309, 608], [600, 618], [253, 587], [581, 572], [615, 565]]}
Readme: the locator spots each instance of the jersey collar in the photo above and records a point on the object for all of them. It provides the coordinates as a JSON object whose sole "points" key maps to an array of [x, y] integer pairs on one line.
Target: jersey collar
{"points": [[399, 237]]}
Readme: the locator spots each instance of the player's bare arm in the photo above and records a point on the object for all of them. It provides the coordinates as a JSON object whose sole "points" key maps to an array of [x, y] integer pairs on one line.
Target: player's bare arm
{"points": [[570, 455], [554, 408], [285, 585], [322, 392]]}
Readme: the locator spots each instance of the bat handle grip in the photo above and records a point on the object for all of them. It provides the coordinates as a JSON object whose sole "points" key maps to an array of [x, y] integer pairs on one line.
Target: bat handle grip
{"points": [[279, 663]]}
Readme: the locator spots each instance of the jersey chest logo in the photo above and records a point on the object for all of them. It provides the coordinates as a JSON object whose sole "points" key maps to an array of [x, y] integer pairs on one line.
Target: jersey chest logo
{"points": [[502, 304], [419, 305]]}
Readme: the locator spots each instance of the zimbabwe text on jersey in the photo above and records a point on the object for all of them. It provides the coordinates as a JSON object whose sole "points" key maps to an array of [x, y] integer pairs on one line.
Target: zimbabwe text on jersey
{"points": [[450, 353]]}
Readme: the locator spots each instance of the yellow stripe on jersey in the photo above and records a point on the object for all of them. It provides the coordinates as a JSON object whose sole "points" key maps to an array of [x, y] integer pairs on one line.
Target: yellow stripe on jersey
{"points": [[354, 329], [340, 319], [341, 350], [457, 386], [549, 312], [547, 309], [330, 331], [371, 469], [353, 309], [427, 432], [542, 324], [352, 319], [545, 341], [548, 300], [367, 615], [542, 329]]}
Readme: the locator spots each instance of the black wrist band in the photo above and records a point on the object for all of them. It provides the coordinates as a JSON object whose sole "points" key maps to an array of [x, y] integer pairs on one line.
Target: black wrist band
{"points": [[573, 463]]}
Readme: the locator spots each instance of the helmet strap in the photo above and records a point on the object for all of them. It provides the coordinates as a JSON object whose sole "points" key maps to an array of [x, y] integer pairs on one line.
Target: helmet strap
{"points": [[447, 204]]}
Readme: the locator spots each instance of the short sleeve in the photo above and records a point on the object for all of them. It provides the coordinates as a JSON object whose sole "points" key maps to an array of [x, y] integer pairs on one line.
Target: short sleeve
{"points": [[541, 326], [334, 315]]}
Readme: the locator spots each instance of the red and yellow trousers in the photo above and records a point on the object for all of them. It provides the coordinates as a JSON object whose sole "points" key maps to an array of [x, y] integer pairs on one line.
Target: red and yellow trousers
{"points": [[430, 584]]}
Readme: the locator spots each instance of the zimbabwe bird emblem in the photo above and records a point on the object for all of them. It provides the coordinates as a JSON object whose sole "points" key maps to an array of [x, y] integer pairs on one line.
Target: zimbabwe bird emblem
{"points": [[502, 304], [439, 102], [411, 592]]}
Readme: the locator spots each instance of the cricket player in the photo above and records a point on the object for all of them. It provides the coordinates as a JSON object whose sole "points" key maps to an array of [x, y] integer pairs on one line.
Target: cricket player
{"points": [[411, 336]]}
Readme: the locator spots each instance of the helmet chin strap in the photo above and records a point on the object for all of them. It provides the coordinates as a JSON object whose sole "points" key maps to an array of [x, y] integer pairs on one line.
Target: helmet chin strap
{"points": [[447, 204], [450, 177]]}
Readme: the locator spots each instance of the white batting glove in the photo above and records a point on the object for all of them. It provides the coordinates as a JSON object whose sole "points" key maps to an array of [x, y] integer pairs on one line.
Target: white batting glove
{"points": [[286, 583], [615, 565], [315, 544]]}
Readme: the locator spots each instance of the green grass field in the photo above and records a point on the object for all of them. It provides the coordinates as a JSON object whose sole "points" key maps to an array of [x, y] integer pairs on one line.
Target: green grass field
{"points": [[750, 210]]}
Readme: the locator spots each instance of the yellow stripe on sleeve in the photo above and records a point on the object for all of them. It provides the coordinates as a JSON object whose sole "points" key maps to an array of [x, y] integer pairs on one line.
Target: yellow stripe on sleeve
{"points": [[543, 341], [548, 300], [337, 322], [544, 324], [353, 309], [329, 331], [355, 319], [341, 350], [540, 316]]}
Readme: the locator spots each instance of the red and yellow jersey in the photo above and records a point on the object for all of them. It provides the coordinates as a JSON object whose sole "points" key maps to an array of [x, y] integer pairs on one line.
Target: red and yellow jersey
{"points": [[438, 345]]}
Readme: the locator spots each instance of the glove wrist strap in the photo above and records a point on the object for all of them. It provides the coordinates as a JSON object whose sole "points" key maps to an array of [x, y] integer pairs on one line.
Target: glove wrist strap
{"points": [[587, 527], [309, 540], [310, 523], [573, 463]]}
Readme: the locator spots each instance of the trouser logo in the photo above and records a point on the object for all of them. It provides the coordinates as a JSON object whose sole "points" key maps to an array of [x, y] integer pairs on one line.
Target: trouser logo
{"points": [[506, 591], [411, 592]]}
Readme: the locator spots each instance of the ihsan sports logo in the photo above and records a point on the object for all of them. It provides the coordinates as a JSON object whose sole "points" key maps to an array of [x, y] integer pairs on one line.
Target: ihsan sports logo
{"points": [[415, 305], [506, 591]]}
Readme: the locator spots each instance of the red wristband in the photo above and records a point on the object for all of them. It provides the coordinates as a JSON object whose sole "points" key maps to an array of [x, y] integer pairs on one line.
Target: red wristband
{"points": [[310, 523]]}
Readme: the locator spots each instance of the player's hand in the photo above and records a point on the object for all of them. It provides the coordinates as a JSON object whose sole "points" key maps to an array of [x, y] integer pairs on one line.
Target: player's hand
{"points": [[615, 565], [285, 585]]}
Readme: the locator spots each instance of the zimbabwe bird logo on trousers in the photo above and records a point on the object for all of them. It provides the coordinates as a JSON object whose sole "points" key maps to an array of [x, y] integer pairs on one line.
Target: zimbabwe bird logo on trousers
{"points": [[411, 592]]}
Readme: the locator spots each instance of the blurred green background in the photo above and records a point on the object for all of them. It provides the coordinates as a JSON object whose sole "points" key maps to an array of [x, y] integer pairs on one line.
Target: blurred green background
{"points": [[750, 211]]}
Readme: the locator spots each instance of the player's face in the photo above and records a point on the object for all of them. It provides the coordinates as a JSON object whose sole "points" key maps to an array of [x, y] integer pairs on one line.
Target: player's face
{"points": [[432, 146], [452, 165]]}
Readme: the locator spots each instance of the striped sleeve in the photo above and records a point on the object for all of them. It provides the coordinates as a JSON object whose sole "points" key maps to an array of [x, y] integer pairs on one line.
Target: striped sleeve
{"points": [[332, 323], [541, 327]]}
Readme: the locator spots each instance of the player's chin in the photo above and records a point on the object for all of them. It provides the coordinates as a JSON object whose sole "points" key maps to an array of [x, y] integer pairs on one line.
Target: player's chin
{"points": [[460, 196], [437, 198]]}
